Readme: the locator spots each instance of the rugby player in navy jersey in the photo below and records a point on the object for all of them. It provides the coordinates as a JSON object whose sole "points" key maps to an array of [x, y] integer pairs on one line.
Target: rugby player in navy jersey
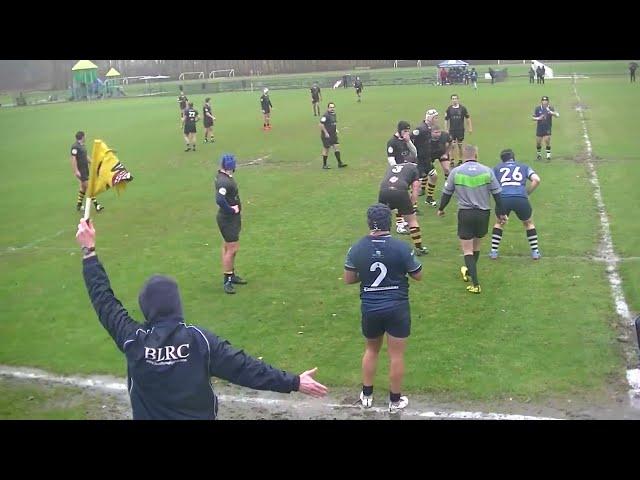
{"points": [[381, 263], [543, 115], [513, 177]]}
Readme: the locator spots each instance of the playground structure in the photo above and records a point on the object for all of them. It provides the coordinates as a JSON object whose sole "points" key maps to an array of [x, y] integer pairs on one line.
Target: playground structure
{"points": [[84, 83]]}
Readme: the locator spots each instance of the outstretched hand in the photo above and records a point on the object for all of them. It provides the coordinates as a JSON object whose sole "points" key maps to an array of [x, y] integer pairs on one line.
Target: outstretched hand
{"points": [[309, 386], [86, 235]]}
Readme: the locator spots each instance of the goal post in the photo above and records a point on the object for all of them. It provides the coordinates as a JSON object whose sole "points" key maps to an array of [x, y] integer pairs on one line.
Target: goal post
{"points": [[227, 72], [191, 76], [407, 63]]}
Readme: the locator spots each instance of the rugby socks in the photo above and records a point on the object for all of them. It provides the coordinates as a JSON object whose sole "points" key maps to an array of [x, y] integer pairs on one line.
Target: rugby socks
{"points": [[416, 237], [539, 151], [532, 236], [228, 276], [470, 262], [367, 391], [337, 154], [399, 220], [394, 397], [80, 198], [548, 151], [496, 237], [431, 188], [96, 204], [476, 255], [324, 160]]}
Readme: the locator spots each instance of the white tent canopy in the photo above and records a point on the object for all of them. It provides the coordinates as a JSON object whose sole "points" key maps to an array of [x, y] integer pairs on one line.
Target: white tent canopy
{"points": [[453, 63]]}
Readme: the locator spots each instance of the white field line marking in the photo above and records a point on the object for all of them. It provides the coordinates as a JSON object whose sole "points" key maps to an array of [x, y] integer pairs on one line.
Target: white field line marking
{"points": [[255, 161], [573, 257], [611, 258], [120, 386], [622, 308], [31, 244]]}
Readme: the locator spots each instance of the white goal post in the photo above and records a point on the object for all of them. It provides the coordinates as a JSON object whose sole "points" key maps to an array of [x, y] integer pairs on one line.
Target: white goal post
{"points": [[227, 72], [199, 75], [406, 63]]}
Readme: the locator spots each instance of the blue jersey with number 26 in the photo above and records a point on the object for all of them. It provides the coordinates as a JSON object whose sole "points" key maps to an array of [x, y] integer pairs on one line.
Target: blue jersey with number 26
{"points": [[513, 178]]}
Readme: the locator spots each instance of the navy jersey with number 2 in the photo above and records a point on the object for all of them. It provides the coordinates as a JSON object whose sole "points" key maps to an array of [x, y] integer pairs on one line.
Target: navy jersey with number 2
{"points": [[382, 263]]}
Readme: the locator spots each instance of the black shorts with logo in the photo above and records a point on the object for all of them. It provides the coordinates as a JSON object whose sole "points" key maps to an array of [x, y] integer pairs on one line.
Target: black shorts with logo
{"points": [[230, 226], [189, 128], [473, 223], [543, 131], [425, 165], [396, 199], [395, 321], [83, 168], [456, 135], [328, 142]]}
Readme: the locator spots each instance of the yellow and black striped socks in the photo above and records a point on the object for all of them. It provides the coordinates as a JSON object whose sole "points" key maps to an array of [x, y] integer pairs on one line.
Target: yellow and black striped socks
{"points": [[80, 198], [423, 183], [431, 188], [416, 237], [399, 220]]}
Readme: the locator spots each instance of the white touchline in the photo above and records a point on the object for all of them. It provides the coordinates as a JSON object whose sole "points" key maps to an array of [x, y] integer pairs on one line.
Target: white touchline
{"points": [[121, 387], [31, 244], [615, 282]]}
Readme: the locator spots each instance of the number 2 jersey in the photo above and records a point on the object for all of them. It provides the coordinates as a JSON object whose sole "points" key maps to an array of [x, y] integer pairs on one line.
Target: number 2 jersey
{"points": [[382, 263], [513, 178]]}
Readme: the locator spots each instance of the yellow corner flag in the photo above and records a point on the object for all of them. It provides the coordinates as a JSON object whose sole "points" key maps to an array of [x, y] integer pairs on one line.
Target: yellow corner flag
{"points": [[105, 172]]}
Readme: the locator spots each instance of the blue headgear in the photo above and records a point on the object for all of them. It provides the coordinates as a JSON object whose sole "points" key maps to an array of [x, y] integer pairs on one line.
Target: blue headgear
{"points": [[228, 162], [379, 217]]}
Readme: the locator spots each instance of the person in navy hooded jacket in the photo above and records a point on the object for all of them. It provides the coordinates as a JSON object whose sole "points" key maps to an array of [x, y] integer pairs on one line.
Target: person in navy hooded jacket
{"points": [[169, 362]]}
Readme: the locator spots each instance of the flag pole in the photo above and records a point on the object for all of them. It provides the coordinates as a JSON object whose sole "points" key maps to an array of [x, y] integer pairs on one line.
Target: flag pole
{"points": [[87, 208], [91, 186]]}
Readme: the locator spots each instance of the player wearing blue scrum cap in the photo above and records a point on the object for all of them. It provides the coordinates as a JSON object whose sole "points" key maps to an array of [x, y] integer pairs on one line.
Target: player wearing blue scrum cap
{"points": [[228, 219]]}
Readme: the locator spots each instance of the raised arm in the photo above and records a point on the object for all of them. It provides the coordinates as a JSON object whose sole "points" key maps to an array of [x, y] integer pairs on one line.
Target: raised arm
{"points": [[112, 315]]}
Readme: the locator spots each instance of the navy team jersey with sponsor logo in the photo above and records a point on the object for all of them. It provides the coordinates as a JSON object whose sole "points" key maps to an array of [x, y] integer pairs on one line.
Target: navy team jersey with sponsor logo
{"points": [[421, 138], [398, 150], [547, 121], [330, 121], [190, 116], [513, 178], [265, 102], [182, 100], [80, 152], [382, 264], [226, 186], [456, 117]]}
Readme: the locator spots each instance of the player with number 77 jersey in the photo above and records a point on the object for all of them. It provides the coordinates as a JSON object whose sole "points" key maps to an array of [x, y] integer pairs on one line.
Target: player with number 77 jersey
{"points": [[513, 177]]}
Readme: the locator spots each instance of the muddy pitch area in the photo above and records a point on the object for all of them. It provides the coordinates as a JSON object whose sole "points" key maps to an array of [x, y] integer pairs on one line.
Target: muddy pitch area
{"points": [[237, 403]]}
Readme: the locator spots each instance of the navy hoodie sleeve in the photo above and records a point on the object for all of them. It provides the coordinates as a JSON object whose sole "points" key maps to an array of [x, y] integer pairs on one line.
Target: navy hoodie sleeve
{"points": [[237, 367], [112, 315]]}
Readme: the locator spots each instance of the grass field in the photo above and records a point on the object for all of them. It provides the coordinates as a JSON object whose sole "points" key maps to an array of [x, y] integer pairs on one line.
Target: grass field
{"points": [[539, 330]]}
